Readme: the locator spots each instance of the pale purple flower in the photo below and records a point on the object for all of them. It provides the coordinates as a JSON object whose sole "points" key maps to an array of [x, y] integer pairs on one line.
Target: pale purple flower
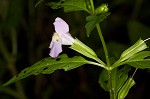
{"points": [[60, 37]]}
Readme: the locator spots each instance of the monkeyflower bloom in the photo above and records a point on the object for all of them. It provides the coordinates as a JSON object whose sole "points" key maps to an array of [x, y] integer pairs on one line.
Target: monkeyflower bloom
{"points": [[60, 37]]}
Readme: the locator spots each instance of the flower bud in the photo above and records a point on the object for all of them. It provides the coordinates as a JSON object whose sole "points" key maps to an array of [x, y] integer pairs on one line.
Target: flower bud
{"points": [[103, 8]]}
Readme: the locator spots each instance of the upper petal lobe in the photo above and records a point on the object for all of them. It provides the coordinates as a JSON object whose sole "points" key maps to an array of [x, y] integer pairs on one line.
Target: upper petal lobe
{"points": [[61, 26]]}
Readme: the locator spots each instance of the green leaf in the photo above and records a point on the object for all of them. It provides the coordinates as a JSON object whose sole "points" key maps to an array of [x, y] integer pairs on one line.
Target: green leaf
{"points": [[125, 89], [137, 47], [128, 53], [55, 5], [48, 66], [74, 5], [91, 17], [38, 3], [86, 51], [141, 64], [92, 20], [103, 80], [118, 78], [144, 55], [70, 5], [139, 60], [121, 78]]}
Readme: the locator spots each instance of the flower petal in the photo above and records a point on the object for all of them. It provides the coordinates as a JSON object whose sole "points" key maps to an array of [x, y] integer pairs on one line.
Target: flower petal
{"points": [[56, 49], [61, 26], [67, 39]]}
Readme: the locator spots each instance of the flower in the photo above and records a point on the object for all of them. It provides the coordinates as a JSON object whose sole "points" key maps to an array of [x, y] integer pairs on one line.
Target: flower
{"points": [[60, 37]]}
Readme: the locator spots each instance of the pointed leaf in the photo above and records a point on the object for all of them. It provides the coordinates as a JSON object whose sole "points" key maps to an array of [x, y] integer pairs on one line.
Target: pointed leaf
{"points": [[125, 89], [118, 78], [48, 66], [70, 5], [92, 20], [139, 46], [145, 63], [122, 76], [139, 60], [139, 56]]}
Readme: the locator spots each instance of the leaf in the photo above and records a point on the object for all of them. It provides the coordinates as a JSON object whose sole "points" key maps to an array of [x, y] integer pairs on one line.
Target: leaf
{"points": [[55, 5], [38, 3], [118, 78], [137, 47], [128, 53], [122, 76], [103, 80], [142, 64], [86, 51], [139, 56], [92, 20], [91, 17], [139, 60], [125, 89], [70, 5], [48, 66], [74, 5]]}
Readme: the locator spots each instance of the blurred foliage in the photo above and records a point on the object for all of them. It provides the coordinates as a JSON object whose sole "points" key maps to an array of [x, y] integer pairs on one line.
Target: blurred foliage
{"points": [[25, 34]]}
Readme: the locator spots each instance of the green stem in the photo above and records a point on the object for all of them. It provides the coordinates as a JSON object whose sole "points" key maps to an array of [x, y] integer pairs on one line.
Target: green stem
{"points": [[103, 44], [106, 54], [107, 60], [110, 85], [101, 37]]}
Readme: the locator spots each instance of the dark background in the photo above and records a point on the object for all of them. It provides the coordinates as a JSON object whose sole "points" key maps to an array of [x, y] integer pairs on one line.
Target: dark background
{"points": [[25, 35]]}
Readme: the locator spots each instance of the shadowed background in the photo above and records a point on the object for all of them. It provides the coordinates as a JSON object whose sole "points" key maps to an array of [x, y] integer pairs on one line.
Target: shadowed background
{"points": [[25, 35]]}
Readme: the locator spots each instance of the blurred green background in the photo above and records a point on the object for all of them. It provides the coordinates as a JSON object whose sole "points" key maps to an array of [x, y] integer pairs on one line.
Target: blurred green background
{"points": [[25, 35]]}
